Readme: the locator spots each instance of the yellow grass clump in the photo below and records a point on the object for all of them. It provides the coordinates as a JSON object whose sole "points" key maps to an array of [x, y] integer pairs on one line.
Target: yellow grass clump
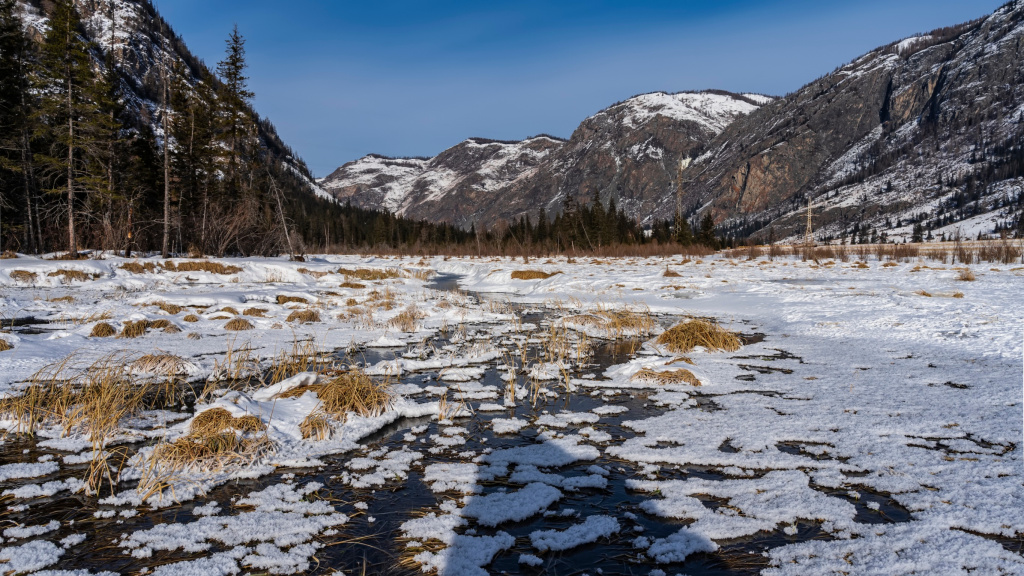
{"points": [[407, 320], [63, 299], [238, 324], [684, 337], [255, 312], [352, 391], [303, 316], [671, 274], [102, 330], [70, 275], [191, 318], [369, 274], [282, 299], [134, 329], [201, 266], [5, 345], [138, 268], [316, 426], [23, 276], [677, 376], [958, 294], [532, 274], [229, 310], [216, 420], [165, 364], [169, 308], [965, 275], [924, 293], [353, 285]]}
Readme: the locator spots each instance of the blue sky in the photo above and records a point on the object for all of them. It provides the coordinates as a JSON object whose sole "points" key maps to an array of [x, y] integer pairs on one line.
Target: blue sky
{"points": [[411, 78]]}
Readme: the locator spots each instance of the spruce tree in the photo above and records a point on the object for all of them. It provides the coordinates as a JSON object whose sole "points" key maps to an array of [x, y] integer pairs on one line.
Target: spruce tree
{"points": [[234, 100], [12, 113]]}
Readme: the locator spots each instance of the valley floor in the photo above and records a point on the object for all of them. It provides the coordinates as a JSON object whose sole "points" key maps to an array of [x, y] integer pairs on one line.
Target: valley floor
{"points": [[871, 422]]}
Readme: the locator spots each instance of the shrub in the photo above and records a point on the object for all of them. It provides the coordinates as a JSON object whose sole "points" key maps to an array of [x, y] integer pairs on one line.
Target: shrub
{"points": [[966, 275]]}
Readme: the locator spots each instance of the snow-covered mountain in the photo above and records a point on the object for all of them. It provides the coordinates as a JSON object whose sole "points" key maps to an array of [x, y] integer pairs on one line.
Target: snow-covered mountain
{"points": [[924, 132], [629, 151]]}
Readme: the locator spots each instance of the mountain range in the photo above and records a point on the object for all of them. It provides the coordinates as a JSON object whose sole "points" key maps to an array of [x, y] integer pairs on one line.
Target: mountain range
{"points": [[924, 135]]}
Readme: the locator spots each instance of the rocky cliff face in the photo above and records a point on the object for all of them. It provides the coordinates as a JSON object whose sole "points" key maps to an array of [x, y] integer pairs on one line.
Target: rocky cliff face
{"points": [[924, 130], [629, 152]]}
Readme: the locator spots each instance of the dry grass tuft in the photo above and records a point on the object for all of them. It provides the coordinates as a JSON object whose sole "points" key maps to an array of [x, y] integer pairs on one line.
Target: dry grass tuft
{"points": [[217, 420], [255, 312], [23, 276], [229, 310], [303, 316], [352, 391], [532, 274], [134, 329], [63, 299], [677, 376], [617, 323], [8, 254], [282, 299], [102, 330], [163, 364], [671, 274], [238, 324], [861, 264], [201, 266], [191, 318], [138, 268], [683, 337], [70, 275], [965, 275], [369, 274], [958, 294], [923, 293], [316, 426], [353, 285], [5, 345], [169, 308], [407, 320], [161, 324]]}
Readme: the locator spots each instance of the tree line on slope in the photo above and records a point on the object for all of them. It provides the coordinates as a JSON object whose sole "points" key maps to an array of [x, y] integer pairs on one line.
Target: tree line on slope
{"points": [[84, 161]]}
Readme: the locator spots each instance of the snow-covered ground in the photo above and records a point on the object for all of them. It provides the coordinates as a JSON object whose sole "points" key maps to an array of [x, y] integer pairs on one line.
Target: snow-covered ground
{"points": [[871, 423]]}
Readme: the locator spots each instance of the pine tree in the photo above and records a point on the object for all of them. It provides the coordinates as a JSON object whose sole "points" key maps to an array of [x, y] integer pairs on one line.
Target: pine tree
{"points": [[234, 100]]}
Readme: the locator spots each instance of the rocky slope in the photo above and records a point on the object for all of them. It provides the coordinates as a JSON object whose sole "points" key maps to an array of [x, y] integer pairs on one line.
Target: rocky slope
{"points": [[925, 131], [629, 151]]}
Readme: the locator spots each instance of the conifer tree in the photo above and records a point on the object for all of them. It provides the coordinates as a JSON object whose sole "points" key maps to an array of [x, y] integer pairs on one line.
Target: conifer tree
{"points": [[234, 100], [707, 231]]}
